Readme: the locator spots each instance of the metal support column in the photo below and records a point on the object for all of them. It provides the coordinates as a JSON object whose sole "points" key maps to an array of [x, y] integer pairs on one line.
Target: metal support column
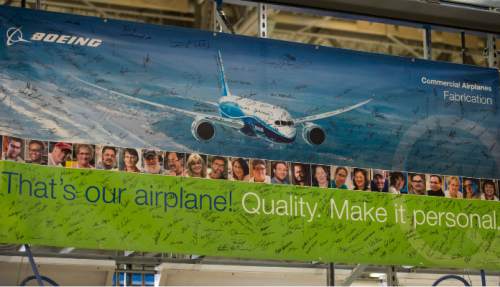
{"points": [[221, 23], [330, 275], [491, 50], [217, 25], [427, 43], [464, 49], [33, 265], [392, 278], [262, 20], [355, 273]]}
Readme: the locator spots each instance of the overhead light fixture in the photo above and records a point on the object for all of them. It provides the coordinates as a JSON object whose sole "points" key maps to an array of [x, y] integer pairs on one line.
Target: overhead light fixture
{"points": [[377, 275]]}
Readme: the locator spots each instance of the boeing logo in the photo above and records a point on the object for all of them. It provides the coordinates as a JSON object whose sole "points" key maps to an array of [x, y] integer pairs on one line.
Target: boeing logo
{"points": [[15, 35]]}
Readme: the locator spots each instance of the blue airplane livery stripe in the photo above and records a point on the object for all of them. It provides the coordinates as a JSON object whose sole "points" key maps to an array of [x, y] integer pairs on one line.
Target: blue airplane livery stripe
{"points": [[233, 111]]}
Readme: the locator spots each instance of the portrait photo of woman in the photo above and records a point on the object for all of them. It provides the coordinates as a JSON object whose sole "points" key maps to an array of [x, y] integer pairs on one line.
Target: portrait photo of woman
{"points": [[321, 176], [130, 160], [239, 169], [196, 165], [360, 180]]}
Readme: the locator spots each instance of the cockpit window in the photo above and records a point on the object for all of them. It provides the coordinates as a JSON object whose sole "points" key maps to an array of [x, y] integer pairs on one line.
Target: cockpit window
{"points": [[283, 123]]}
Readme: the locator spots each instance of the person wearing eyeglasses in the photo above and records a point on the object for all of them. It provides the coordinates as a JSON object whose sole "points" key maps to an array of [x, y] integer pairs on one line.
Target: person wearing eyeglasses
{"points": [[417, 184], [36, 152], [259, 172], [130, 160], [84, 154], [14, 150]]}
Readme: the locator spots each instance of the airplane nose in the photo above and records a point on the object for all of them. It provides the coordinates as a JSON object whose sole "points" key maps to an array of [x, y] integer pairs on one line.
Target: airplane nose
{"points": [[290, 132]]}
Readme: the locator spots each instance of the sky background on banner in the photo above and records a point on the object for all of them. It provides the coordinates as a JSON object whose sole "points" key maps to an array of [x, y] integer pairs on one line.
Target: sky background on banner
{"points": [[407, 125]]}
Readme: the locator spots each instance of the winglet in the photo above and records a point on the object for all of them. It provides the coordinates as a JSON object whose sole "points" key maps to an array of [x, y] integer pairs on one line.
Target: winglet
{"points": [[222, 76]]}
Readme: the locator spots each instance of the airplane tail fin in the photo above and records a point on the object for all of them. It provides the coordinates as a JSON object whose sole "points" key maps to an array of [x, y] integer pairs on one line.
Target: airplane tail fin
{"points": [[222, 76]]}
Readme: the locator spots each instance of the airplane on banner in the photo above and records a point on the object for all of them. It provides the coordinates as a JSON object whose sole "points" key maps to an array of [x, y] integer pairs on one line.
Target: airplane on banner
{"points": [[252, 118]]}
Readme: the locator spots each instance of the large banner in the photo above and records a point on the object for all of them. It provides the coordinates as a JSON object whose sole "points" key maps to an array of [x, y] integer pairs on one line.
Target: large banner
{"points": [[117, 210], [81, 79], [234, 137]]}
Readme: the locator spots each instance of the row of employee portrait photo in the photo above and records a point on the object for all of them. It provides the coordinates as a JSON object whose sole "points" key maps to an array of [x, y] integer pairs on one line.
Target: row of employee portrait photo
{"points": [[152, 161]]}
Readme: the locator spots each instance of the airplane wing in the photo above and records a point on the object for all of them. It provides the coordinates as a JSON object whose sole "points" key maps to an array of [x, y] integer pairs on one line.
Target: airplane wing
{"points": [[331, 113], [195, 100], [225, 121]]}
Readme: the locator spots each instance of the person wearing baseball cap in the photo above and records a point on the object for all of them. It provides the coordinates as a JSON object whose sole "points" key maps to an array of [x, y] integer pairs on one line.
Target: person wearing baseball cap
{"points": [[379, 181], [59, 154], [152, 161]]}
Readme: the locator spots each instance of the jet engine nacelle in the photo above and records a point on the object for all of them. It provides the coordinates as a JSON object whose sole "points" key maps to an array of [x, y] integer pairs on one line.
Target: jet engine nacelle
{"points": [[313, 134], [202, 129]]}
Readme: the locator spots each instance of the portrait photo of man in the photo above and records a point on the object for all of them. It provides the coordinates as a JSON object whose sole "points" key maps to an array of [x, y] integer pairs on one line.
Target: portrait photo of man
{"points": [[380, 182], [36, 152], [301, 174], [152, 161], [13, 149], [435, 185], [259, 171], [174, 163], [280, 172], [217, 167], [417, 184], [107, 157], [59, 153]]}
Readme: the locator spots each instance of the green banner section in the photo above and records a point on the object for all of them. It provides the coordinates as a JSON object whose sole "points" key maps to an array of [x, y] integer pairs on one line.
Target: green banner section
{"points": [[116, 210]]}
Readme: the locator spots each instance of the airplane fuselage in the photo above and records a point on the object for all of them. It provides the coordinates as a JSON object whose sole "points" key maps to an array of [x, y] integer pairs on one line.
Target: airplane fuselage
{"points": [[260, 119]]}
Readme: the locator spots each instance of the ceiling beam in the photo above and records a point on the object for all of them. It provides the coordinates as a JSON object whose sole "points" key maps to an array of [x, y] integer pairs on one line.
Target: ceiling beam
{"points": [[99, 10], [183, 6], [278, 32], [379, 29], [57, 6], [417, 12]]}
